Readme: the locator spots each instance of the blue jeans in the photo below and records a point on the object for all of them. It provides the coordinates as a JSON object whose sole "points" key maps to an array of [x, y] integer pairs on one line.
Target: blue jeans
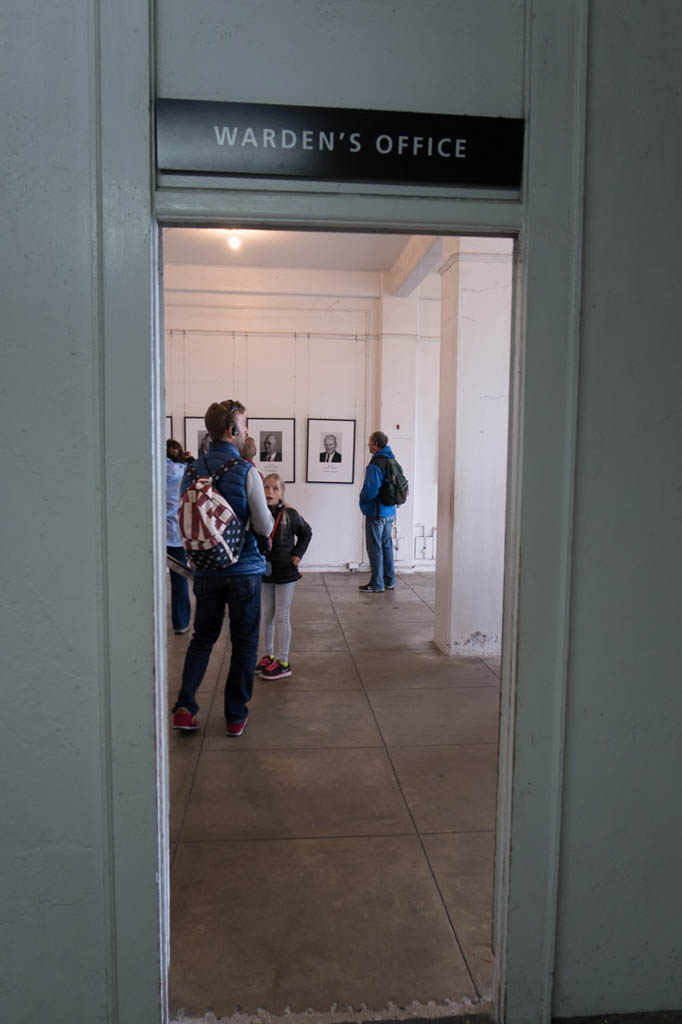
{"points": [[241, 594], [378, 536], [180, 608]]}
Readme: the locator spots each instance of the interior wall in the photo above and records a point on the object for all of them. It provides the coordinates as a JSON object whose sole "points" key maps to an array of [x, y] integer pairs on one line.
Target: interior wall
{"points": [[619, 943], [80, 863], [311, 343], [79, 846]]}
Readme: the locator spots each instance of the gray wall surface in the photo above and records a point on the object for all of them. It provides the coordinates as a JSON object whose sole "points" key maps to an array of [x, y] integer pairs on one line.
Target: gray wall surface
{"points": [[619, 938], [435, 56], [80, 391], [78, 849]]}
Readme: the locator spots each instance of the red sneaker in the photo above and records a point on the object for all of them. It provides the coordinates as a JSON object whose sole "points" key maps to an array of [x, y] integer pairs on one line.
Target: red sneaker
{"points": [[264, 663], [276, 670], [235, 728], [185, 720]]}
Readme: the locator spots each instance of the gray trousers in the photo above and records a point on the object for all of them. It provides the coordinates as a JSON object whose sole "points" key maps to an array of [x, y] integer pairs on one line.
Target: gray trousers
{"points": [[275, 607]]}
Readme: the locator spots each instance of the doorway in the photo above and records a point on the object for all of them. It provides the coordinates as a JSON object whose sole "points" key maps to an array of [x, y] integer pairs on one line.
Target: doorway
{"points": [[352, 852]]}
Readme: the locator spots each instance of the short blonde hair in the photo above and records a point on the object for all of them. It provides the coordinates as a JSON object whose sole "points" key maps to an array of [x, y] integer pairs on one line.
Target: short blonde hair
{"points": [[249, 449], [277, 477]]}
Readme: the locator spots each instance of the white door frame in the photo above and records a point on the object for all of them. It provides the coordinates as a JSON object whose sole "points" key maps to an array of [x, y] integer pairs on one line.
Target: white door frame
{"points": [[547, 220]]}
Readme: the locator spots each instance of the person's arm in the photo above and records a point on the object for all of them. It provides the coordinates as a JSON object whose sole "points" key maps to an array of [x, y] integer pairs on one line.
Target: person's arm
{"points": [[303, 536], [370, 488], [261, 517]]}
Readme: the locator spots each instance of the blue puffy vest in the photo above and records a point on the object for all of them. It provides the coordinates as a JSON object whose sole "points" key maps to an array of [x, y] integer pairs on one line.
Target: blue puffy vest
{"points": [[232, 486]]}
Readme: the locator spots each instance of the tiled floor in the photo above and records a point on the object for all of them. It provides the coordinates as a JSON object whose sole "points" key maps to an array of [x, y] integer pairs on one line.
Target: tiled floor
{"points": [[341, 851]]}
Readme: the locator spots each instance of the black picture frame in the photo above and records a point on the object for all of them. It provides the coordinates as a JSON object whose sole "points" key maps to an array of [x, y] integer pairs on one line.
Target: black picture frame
{"points": [[322, 464]]}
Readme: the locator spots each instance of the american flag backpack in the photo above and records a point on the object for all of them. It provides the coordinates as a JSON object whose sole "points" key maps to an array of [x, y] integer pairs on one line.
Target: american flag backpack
{"points": [[212, 533]]}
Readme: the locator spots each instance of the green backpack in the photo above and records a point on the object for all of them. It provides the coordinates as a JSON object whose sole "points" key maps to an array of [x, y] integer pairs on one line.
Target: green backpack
{"points": [[394, 487]]}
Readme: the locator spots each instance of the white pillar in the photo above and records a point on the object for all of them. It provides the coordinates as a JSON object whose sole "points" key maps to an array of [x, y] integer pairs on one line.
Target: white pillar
{"points": [[399, 335], [476, 276]]}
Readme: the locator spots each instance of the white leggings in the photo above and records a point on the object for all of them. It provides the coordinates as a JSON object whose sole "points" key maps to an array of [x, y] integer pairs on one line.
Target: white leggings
{"points": [[275, 605]]}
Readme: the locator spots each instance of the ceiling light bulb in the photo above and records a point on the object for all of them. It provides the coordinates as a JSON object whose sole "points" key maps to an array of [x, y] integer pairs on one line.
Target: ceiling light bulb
{"points": [[234, 241]]}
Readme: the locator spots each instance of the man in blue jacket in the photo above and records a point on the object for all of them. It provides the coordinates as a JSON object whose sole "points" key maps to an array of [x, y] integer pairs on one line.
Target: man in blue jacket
{"points": [[379, 519], [236, 587]]}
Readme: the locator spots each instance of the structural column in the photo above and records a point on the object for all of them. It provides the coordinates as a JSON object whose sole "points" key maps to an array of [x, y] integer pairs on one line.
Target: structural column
{"points": [[399, 326], [476, 276]]}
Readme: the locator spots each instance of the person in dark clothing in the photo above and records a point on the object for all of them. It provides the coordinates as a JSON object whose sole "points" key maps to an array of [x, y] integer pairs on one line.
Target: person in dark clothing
{"points": [[289, 539], [238, 586]]}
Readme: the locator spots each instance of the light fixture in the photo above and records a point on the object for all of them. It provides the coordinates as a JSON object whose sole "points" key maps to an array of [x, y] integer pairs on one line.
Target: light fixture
{"points": [[233, 240]]}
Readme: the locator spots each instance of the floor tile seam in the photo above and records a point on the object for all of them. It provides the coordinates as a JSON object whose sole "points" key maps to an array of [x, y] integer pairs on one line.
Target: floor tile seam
{"points": [[391, 648], [308, 837], [497, 676], [288, 749], [322, 749], [411, 587], [418, 837], [312, 836], [320, 689], [445, 687], [350, 651], [445, 746], [434, 879], [202, 747], [458, 832], [435, 746], [355, 746], [476, 687]]}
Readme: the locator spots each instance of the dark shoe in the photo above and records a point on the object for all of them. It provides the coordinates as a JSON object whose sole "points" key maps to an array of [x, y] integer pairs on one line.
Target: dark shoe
{"points": [[184, 720], [235, 729], [181, 632], [369, 589], [276, 670], [265, 662]]}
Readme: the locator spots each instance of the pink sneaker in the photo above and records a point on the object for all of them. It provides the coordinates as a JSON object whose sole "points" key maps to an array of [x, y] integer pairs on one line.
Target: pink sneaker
{"points": [[185, 720], [265, 662], [235, 728], [276, 670]]}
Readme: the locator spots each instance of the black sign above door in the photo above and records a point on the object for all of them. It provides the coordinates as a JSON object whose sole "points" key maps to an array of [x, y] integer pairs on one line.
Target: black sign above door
{"points": [[336, 144]]}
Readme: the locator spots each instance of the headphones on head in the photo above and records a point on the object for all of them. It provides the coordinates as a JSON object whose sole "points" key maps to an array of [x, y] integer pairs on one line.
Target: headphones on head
{"points": [[233, 428]]}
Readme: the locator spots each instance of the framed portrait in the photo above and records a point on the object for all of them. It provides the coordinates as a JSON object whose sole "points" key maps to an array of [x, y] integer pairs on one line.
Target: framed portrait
{"points": [[275, 446], [195, 432], [169, 427], [331, 452]]}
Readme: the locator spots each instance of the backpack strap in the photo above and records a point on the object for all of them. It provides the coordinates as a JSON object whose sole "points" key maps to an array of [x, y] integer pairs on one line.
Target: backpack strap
{"points": [[215, 477]]}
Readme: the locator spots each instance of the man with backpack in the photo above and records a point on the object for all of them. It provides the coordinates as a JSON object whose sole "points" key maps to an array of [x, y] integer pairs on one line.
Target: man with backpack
{"points": [[222, 508], [384, 487]]}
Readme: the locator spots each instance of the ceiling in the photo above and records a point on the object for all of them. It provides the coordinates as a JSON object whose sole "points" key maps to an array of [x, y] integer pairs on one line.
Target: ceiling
{"points": [[321, 250]]}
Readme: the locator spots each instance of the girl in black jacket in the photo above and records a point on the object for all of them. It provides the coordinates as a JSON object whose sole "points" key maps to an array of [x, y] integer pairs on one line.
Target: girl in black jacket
{"points": [[290, 538]]}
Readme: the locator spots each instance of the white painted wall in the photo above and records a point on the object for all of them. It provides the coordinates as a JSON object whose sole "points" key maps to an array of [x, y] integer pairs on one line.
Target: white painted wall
{"points": [[309, 343]]}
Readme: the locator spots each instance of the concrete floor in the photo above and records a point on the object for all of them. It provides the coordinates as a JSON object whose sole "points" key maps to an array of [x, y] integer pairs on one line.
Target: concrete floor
{"points": [[340, 853]]}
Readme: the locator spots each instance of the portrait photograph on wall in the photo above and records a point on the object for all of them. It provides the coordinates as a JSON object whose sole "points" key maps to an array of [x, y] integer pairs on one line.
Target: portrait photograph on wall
{"points": [[275, 446], [331, 452], [195, 432], [169, 427]]}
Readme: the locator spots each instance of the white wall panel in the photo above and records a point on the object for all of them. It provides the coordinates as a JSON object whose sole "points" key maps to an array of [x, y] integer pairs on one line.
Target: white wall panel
{"points": [[302, 353]]}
